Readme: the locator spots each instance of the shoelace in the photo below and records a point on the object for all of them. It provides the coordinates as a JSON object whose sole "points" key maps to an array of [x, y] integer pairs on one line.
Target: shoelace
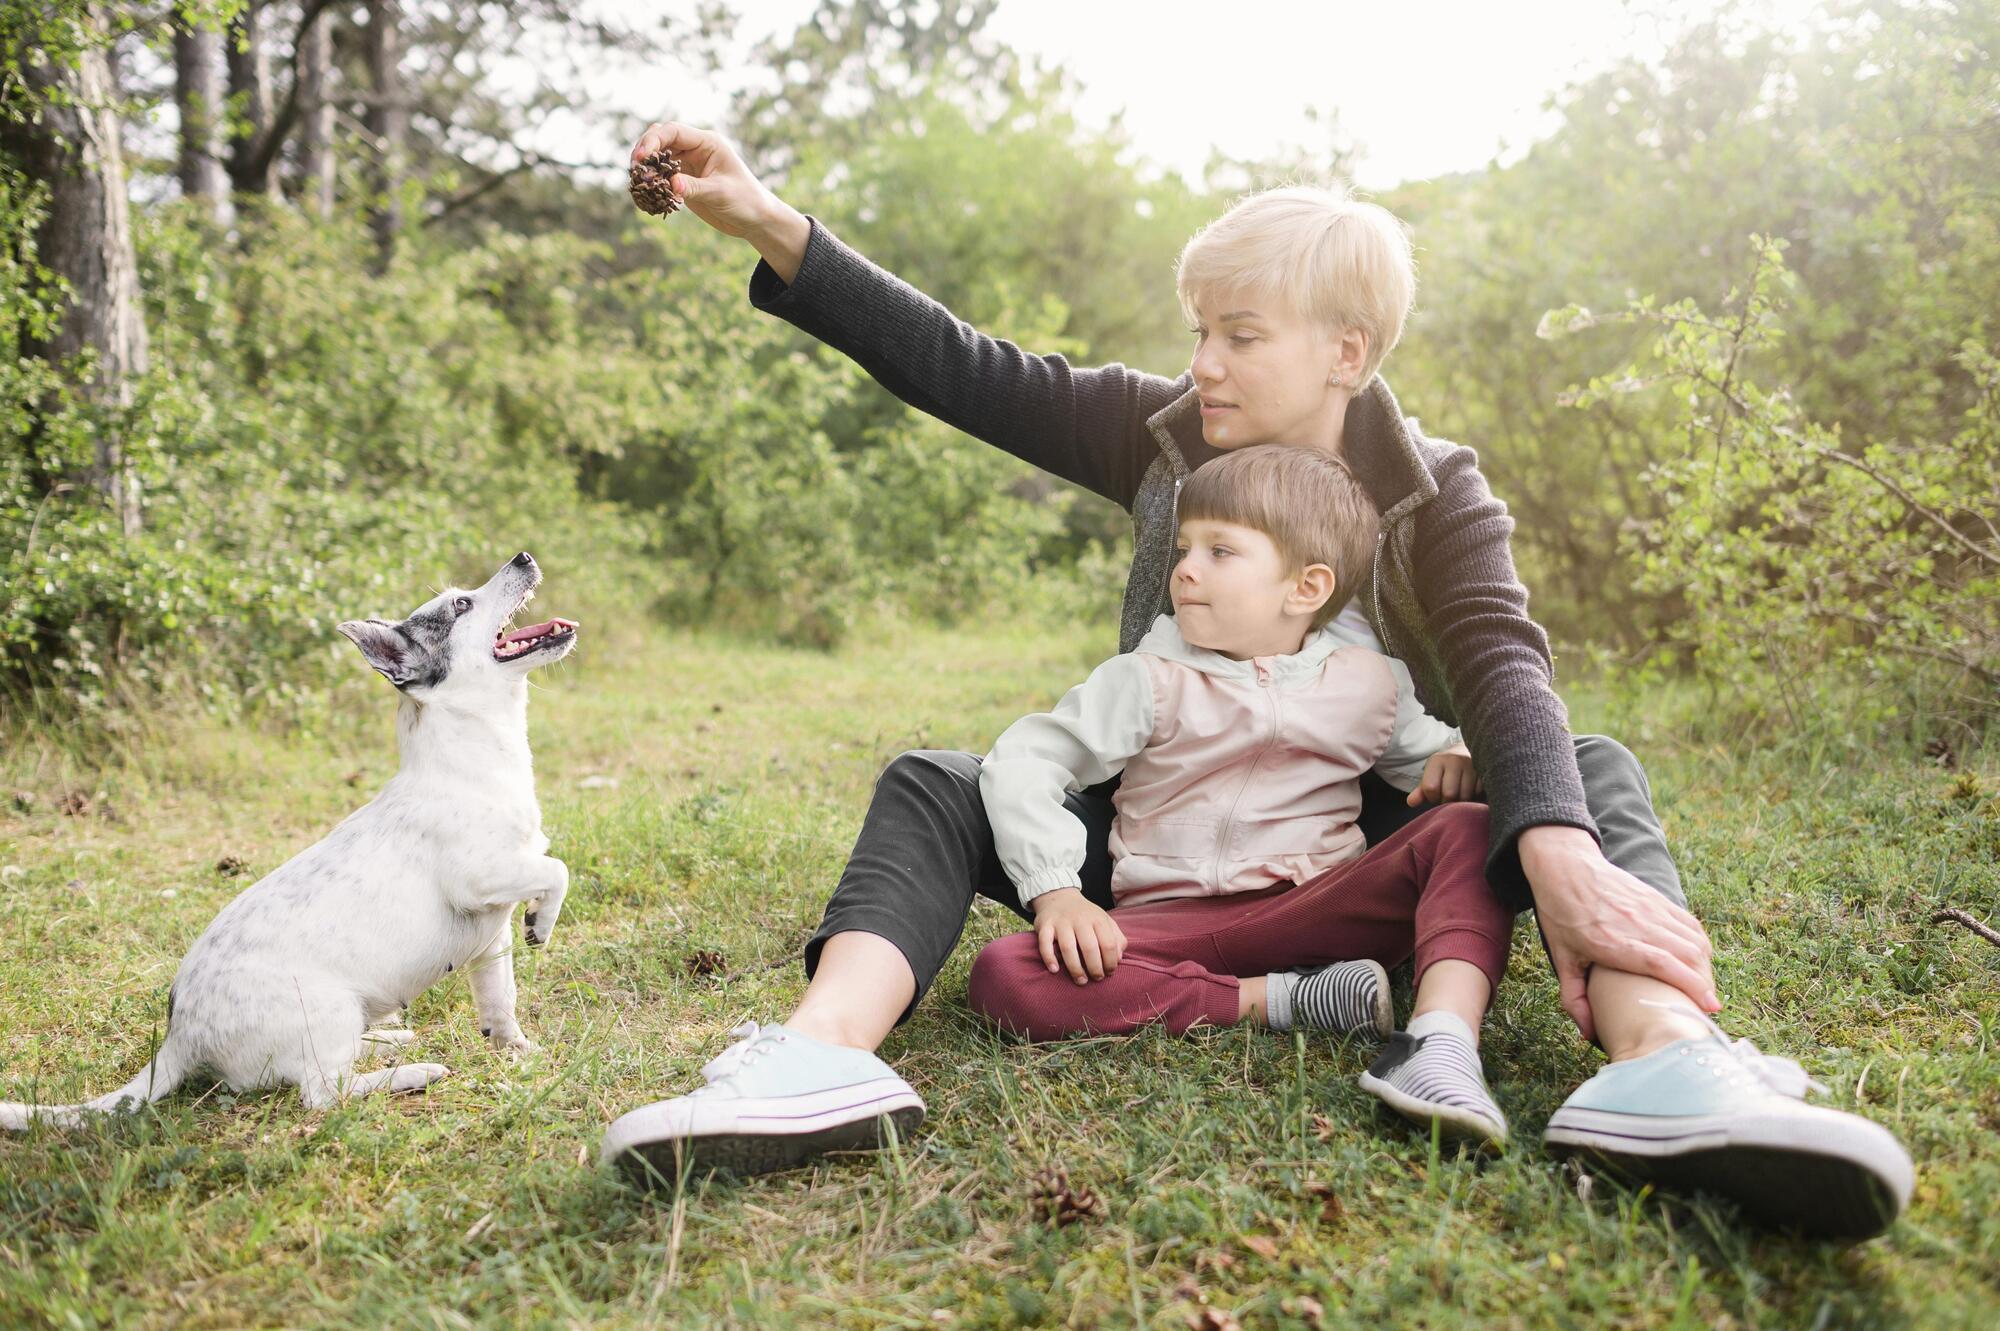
{"points": [[1779, 1074], [751, 1041]]}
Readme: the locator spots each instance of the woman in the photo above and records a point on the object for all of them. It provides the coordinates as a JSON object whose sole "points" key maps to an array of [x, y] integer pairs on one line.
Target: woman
{"points": [[1574, 835]]}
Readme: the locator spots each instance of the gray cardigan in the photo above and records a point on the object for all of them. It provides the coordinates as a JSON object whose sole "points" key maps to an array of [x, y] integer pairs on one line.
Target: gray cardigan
{"points": [[1443, 596]]}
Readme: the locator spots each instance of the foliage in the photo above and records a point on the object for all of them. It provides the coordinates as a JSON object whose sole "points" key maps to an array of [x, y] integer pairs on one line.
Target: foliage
{"points": [[1867, 142], [1792, 545], [305, 433]]}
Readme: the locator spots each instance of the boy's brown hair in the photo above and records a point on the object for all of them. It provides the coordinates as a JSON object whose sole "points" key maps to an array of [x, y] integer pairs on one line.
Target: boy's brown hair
{"points": [[1306, 501]]}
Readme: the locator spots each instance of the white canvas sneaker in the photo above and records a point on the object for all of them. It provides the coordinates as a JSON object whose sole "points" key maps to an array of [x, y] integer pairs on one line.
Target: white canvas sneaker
{"points": [[774, 1100]]}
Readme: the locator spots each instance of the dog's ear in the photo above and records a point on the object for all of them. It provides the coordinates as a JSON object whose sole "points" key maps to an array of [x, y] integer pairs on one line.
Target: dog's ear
{"points": [[384, 648]]}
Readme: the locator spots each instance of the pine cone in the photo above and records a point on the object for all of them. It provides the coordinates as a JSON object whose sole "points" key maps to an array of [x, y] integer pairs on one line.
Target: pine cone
{"points": [[1060, 1203], [653, 182]]}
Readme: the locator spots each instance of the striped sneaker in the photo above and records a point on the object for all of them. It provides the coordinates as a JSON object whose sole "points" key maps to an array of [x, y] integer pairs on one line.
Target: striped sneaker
{"points": [[774, 1099], [1436, 1078], [1346, 998]]}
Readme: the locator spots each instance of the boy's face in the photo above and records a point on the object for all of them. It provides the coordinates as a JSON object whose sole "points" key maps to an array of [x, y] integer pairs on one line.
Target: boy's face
{"points": [[1265, 374], [1233, 594]]}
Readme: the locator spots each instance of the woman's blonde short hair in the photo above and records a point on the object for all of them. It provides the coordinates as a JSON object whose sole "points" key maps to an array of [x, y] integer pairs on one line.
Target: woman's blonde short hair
{"points": [[1324, 254]]}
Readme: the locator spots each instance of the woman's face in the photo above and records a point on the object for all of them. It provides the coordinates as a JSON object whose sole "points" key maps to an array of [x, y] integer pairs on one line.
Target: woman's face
{"points": [[1266, 375]]}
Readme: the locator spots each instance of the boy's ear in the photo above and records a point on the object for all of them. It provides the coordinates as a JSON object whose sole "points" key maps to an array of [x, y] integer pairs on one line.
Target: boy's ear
{"points": [[1314, 587]]}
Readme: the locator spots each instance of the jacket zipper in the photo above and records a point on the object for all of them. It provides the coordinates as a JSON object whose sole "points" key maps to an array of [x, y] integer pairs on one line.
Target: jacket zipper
{"points": [[1174, 535], [1264, 682]]}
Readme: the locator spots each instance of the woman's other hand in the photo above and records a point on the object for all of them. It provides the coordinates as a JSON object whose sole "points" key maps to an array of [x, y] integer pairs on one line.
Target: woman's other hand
{"points": [[1594, 913], [1077, 935], [719, 189], [1448, 775]]}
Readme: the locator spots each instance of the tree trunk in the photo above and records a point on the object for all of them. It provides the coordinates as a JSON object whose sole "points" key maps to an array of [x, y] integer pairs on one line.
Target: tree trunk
{"points": [[199, 93], [388, 122], [251, 169], [316, 161], [86, 239]]}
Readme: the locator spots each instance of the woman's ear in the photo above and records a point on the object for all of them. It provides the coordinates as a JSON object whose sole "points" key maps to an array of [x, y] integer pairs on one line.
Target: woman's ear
{"points": [[1353, 355], [1310, 592]]}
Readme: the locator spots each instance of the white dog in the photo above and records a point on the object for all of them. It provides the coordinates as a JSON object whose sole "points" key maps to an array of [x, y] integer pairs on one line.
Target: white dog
{"points": [[285, 984]]}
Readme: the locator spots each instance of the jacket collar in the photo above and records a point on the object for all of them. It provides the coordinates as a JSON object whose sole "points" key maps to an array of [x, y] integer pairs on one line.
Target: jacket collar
{"points": [[1381, 445], [1164, 640]]}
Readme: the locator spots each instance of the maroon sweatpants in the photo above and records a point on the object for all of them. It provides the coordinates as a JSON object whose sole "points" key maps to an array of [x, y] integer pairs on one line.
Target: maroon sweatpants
{"points": [[1422, 891]]}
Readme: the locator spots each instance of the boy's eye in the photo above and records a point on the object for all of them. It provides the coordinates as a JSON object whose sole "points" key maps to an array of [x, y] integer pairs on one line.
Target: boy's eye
{"points": [[1220, 550], [1241, 340]]}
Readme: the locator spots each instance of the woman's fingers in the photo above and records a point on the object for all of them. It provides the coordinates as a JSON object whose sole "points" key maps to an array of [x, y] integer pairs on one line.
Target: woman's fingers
{"points": [[694, 146], [1572, 979]]}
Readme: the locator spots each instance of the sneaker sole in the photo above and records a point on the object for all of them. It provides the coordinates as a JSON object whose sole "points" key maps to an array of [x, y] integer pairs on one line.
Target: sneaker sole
{"points": [[755, 1144], [1454, 1125], [1821, 1173]]}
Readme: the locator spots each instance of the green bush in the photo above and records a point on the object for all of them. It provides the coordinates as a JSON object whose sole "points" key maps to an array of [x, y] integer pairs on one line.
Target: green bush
{"points": [[1794, 547], [312, 444]]}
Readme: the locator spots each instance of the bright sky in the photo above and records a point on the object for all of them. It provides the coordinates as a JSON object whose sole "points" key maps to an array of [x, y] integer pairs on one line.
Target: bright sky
{"points": [[1427, 87]]}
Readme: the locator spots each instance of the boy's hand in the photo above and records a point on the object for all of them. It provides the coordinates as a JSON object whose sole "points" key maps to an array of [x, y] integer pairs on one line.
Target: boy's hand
{"points": [[1448, 776], [1077, 935]]}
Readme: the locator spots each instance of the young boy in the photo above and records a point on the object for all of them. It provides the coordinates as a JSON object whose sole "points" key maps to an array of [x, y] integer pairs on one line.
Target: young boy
{"points": [[1240, 726]]}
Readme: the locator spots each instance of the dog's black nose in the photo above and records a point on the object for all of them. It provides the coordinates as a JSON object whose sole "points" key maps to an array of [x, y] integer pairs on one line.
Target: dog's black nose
{"points": [[524, 560]]}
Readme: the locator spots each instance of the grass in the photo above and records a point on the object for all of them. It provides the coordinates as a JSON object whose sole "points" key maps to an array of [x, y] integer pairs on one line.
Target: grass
{"points": [[704, 795]]}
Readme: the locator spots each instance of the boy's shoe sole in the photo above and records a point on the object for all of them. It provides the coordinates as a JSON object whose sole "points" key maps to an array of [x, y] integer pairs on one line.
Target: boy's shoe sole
{"points": [[1454, 1124], [654, 1145], [1818, 1171]]}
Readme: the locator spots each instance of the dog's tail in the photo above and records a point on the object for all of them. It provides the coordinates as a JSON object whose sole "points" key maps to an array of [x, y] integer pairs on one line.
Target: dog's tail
{"points": [[161, 1076]]}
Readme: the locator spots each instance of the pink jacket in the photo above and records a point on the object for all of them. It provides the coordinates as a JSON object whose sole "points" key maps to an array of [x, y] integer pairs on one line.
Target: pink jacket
{"points": [[1238, 775]]}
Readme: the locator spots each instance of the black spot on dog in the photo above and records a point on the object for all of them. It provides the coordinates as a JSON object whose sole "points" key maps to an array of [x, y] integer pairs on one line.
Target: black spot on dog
{"points": [[486, 1030], [171, 995], [447, 968]]}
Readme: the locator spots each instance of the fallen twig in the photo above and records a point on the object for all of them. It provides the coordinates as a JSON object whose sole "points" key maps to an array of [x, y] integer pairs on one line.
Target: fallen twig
{"points": [[1957, 916]]}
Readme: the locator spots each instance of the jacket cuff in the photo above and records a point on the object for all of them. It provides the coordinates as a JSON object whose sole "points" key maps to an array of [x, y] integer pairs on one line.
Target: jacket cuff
{"points": [[1052, 879], [773, 295]]}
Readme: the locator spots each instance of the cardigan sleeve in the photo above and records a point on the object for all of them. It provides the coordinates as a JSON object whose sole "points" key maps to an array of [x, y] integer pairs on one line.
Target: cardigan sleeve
{"points": [[1497, 665], [1096, 728], [1084, 425]]}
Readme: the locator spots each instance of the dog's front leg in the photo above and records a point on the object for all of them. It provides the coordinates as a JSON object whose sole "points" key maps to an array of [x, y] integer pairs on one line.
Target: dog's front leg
{"points": [[491, 974], [538, 922], [542, 882]]}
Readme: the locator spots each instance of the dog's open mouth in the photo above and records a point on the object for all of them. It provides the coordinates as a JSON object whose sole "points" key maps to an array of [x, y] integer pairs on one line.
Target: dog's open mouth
{"points": [[507, 646]]}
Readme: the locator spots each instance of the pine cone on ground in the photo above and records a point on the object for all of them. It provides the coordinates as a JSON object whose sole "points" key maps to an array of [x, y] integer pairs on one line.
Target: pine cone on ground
{"points": [[1059, 1202], [653, 182]]}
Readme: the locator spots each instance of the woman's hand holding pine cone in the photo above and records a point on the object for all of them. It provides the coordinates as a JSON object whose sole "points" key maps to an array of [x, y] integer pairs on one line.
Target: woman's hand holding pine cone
{"points": [[719, 189]]}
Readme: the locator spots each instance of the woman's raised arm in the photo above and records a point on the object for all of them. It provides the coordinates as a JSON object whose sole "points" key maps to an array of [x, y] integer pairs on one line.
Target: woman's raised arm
{"points": [[1084, 425]]}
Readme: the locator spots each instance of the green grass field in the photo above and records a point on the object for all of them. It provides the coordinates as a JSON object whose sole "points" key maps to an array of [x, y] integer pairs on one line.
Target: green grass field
{"points": [[704, 796]]}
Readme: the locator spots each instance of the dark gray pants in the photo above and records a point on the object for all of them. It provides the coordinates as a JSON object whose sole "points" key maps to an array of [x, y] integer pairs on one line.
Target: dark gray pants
{"points": [[926, 850]]}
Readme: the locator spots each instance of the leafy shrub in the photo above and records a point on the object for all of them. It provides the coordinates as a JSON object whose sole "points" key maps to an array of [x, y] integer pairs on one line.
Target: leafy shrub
{"points": [[1794, 549]]}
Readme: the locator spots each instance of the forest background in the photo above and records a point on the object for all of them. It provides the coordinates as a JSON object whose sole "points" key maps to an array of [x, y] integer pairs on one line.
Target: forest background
{"points": [[1723, 339]]}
